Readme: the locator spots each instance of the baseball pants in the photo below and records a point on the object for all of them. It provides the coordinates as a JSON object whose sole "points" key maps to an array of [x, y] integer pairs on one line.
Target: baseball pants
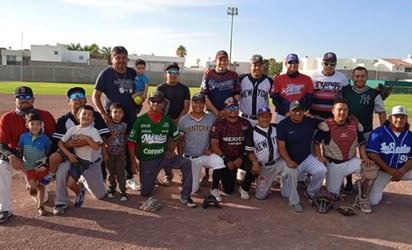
{"points": [[338, 171], [316, 169], [150, 169], [267, 176], [6, 203], [208, 161], [383, 179]]}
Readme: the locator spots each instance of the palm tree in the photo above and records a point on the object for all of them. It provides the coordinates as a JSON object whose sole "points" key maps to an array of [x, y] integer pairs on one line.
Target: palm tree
{"points": [[73, 46], [107, 52], [181, 51]]}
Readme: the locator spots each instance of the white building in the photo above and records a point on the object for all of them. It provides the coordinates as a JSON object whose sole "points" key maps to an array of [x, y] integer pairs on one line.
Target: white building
{"points": [[58, 53], [157, 63]]}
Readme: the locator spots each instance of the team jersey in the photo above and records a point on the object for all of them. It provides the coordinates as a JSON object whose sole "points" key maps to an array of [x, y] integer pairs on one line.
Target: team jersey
{"points": [[254, 93], [325, 89], [68, 120], [220, 86], [34, 148], [12, 125], [231, 136], [297, 137], [262, 142], [151, 138], [176, 95], [286, 89], [394, 149], [362, 104], [119, 88], [339, 141]]}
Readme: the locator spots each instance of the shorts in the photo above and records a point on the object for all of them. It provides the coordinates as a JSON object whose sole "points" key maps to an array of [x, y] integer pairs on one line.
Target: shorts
{"points": [[37, 176], [78, 168]]}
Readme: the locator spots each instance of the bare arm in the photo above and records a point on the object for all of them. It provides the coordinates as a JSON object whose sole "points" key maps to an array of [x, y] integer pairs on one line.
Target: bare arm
{"points": [[382, 118], [97, 102], [318, 153], [285, 155]]}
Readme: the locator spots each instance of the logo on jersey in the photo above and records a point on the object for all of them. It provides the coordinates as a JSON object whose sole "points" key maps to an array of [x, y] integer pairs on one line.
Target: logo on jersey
{"points": [[293, 89], [153, 139], [391, 148], [328, 86], [365, 99]]}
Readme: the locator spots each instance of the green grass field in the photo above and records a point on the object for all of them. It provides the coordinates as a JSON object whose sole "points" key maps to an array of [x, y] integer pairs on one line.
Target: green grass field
{"points": [[46, 88]]}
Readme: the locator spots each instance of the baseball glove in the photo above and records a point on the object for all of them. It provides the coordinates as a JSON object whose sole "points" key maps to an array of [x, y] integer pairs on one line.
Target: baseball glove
{"points": [[322, 203], [346, 211], [385, 91], [41, 164]]}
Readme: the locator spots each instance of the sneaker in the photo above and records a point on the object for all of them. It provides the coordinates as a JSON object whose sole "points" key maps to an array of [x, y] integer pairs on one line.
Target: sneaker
{"points": [[167, 181], [42, 211], [309, 197], [47, 179], [151, 205], [5, 216], [123, 197], [78, 202], [59, 209], [110, 194], [188, 202], [132, 184], [297, 208], [244, 195], [215, 193], [363, 204]]}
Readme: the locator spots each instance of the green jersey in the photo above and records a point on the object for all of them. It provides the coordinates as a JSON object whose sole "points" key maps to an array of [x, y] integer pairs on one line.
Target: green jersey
{"points": [[152, 138]]}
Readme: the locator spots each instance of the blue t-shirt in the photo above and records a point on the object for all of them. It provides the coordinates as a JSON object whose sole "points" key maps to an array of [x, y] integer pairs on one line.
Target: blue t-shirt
{"points": [[33, 149], [140, 82], [297, 137], [394, 150]]}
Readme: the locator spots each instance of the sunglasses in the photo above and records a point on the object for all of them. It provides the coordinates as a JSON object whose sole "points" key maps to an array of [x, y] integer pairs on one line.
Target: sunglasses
{"points": [[233, 108], [153, 100], [298, 110], [77, 95], [173, 71], [331, 64], [24, 97]]}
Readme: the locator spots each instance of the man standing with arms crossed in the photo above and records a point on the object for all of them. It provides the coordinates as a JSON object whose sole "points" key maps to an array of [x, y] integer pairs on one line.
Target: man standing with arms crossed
{"points": [[117, 84]]}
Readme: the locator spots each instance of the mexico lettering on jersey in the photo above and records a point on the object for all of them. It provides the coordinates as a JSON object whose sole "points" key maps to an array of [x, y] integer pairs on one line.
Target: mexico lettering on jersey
{"points": [[325, 89], [220, 86], [394, 149], [254, 93], [263, 142], [286, 89], [152, 138], [231, 136]]}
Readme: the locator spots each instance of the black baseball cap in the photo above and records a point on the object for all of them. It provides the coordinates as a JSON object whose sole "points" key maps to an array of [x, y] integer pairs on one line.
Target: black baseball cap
{"points": [[198, 97], [23, 90], [172, 66]]}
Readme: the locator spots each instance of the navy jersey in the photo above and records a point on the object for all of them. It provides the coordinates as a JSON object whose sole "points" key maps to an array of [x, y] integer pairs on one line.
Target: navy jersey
{"points": [[394, 150]]}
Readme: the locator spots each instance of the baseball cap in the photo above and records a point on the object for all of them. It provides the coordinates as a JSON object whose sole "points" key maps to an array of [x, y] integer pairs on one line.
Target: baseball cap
{"points": [[329, 56], [399, 110], [75, 90], [294, 105], [198, 97], [230, 102], [264, 110], [157, 95], [256, 58], [172, 66], [221, 53], [292, 58], [23, 90]]}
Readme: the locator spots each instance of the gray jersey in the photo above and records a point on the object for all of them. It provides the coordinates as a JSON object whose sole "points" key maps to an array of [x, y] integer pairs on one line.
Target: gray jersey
{"points": [[196, 133], [254, 94]]}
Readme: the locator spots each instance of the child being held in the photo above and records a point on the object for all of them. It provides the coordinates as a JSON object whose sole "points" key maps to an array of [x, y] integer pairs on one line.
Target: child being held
{"points": [[34, 146], [141, 84]]}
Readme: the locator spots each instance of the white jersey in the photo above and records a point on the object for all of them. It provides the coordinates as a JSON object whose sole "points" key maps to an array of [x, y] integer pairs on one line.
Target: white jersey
{"points": [[254, 94]]}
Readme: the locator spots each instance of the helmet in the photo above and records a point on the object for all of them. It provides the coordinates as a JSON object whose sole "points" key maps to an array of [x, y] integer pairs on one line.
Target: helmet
{"points": [[322, 203], [210, 200]]}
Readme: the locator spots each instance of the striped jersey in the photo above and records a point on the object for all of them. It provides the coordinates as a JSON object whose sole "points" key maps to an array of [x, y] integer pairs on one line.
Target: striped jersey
{"points": [[254, 93], [263, 142]]}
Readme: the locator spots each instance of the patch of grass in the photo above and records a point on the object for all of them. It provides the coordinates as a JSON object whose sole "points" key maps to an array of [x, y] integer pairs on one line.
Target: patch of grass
{"points": [[399, 99]]}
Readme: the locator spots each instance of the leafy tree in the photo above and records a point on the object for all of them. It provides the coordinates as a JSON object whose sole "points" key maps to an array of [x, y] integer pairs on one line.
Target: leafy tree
{"points": [[181, 51], [93, 49], [73, 46], [273, 67], [107, 53]]}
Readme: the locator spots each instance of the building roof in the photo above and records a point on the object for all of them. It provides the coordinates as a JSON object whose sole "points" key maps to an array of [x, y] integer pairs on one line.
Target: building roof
{"points": [[397, 62]]}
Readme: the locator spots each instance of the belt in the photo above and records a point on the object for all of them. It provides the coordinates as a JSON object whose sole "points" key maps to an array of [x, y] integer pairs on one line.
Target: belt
{"points": [[96, 161], [335, 161], [191, 157], [271, 163], [253, 117]]}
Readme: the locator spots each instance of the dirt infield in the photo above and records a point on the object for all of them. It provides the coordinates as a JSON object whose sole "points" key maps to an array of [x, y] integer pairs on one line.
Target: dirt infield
{"points": [[268, 224]]}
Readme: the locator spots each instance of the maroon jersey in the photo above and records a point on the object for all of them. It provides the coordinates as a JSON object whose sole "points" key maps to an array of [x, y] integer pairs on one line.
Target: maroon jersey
{"points": [[231, 136]]}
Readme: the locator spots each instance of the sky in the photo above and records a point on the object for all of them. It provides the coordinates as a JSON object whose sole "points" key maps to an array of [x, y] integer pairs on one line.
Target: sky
{"points": [[367, 29]]}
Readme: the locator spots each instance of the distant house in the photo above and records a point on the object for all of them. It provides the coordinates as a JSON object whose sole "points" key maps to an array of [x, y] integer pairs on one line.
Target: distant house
{"points": [[58, 53], [157, 63], [14, 57], [394, 65]]}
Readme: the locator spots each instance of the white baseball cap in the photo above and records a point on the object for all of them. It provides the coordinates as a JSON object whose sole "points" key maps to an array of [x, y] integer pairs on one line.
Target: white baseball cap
{"points": [[399, 110]]}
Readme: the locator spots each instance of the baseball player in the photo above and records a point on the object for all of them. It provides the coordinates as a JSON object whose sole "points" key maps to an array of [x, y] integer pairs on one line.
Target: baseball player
{"points": [[295, 147], [195, 128], [340, 137], [254, 90], [262, 149], [291, 86], [390, 147]]}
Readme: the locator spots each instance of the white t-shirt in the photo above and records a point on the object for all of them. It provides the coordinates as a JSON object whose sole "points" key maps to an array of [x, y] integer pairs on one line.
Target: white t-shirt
{"points": [[85, 152]]}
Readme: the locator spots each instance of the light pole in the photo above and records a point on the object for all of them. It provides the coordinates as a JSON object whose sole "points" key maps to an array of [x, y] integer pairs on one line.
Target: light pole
{"points": [[232, 11]]}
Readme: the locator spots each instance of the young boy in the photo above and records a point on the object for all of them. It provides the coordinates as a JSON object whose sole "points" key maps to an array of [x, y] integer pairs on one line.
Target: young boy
{"points": [[83, 156], [141, 84], [34, 145], [116, 150]]}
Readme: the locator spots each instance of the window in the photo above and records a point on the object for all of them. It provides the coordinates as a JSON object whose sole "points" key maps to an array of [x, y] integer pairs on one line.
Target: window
{"points": [[56, 52], [81, 58], [408, 70]]}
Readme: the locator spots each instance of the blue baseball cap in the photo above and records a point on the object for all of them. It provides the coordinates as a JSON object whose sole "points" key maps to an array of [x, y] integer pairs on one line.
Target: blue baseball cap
{"points": [[265, 110]]}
